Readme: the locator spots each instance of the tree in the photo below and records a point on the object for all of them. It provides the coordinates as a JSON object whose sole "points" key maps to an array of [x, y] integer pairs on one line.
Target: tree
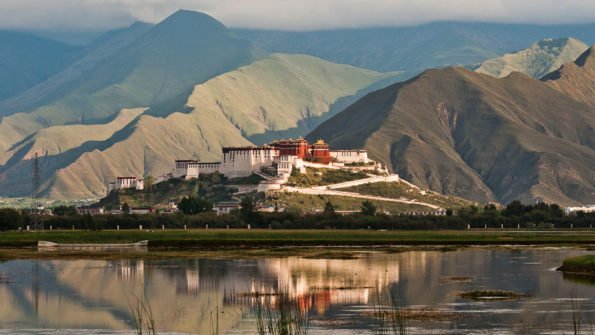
{"points": [[329, 208], [10, 219], [203, 205], [368, 208], [248, 209], [556, 211], [64, 211], [490, 209], [125, 208], [149, 180], [192, 205], [90, 224], [515, 208]]}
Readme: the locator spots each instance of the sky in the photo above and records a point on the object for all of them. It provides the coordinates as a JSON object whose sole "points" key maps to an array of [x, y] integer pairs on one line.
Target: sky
{"points": [[97, 15]]}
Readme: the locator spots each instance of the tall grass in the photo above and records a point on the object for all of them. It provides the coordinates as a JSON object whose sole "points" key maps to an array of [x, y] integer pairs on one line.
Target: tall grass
{"points": [[142, 314], [578, 324], [215, 321], [392, 318], [279, 314]]}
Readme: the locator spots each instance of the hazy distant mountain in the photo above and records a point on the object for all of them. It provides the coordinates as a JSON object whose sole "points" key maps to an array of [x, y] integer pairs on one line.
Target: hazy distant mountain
{"points": [[163, 63], [26, 60], [536, 61], [281, 95], [460, 132], [73, 75], [415, 48], [576, 79]]}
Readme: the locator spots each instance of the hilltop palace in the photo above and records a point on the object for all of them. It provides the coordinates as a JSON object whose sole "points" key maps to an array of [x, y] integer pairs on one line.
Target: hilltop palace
{"points": [[277, 159]]}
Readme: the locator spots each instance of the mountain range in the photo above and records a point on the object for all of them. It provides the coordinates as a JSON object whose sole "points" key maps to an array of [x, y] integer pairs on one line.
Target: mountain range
{"points": [[541, 58], [138, 98], [461, 132], [415, 48], [156, 95]]}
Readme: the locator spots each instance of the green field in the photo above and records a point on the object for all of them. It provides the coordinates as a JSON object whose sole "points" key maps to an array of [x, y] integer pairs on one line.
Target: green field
{"points": [[318, 177], [221, 238], [311, 203], [584, 265], [398, 190]]}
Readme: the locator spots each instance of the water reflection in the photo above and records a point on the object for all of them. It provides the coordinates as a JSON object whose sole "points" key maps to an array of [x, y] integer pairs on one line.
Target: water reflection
{"points": [[184, 294]]}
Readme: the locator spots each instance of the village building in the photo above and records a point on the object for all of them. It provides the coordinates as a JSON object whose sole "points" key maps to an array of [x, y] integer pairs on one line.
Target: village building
{"points": [[584, 209], [141, 211], [88, 210], [226, 207]]}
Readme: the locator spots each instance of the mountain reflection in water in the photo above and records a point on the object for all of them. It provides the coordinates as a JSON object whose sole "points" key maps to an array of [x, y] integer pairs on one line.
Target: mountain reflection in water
{"points": [[185, 294]]}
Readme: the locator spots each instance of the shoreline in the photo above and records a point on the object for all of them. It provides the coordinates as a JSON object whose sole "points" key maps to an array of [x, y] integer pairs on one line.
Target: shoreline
{"points": [[338, 253], [223, 243]]}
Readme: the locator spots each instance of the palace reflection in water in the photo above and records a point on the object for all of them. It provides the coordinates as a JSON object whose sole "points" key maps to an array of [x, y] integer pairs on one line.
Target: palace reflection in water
{"points": [[184, 294]]}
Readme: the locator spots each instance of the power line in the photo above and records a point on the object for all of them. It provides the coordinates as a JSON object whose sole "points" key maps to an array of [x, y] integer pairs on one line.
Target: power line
{"points": [[37, 222]]}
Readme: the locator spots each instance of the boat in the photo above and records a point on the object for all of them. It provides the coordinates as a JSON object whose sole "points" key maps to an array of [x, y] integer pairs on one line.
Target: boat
{"points": [[46, 245]]}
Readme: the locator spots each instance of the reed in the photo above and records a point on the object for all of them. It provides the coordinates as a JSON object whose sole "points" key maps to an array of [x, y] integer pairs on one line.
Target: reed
{"points": [[279, 314], [142, 314], [391, 317]]}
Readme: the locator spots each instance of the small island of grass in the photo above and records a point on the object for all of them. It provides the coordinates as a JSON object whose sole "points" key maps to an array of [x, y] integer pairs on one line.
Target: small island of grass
{"points": [[492, 295], [583, 265]]}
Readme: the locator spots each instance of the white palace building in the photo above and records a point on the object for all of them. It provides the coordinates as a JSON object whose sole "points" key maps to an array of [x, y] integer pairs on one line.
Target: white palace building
{"points": [[122, 183], [281, 156], [278, 158]]}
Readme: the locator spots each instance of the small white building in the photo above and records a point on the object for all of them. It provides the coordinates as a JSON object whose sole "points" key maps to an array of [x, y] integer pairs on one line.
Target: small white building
{"points": [[226, 207], [584, 209], [87, 210], [350, 156], [123, 183]]}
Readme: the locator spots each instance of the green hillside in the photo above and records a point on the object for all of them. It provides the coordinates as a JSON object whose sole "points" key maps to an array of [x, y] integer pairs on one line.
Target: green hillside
{"points": [[213, 187]]}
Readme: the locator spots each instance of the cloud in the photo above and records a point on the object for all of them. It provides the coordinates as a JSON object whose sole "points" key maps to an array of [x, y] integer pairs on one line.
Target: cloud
{"points": [[88, 15]]}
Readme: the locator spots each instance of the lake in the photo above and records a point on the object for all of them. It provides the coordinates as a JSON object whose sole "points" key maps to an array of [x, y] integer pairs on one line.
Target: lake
{"points": [[194, 296]]}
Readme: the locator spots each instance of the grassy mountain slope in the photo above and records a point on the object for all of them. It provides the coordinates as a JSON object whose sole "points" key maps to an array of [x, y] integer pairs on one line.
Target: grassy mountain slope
{"points": [[59, 139], [63, 82], [415, 48], [577, 79], [168, 60], [536, 61], [26, 60], [460, 132], [281, 94]]}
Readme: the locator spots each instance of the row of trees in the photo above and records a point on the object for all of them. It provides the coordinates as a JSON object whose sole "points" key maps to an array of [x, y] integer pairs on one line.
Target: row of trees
{"points": [[198, 213]]}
